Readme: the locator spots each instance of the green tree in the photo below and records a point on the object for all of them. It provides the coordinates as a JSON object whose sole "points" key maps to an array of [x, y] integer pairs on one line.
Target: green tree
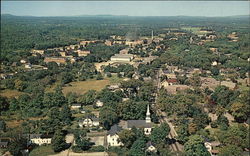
{"points": [[138, 148], [240, 111], [159, 134], [88, 98], [2, 126], [127, 137], [231, 150], [83, 143], [195, 147], [4, 105], [65, 115], [58, 141], [16, 145], [108, 117]]}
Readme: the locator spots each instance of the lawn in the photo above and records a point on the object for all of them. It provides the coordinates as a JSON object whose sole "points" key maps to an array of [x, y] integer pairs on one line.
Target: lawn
{"points": [[82, 87], [42, 151], [114, 79], [195, 30], [10, 93]]}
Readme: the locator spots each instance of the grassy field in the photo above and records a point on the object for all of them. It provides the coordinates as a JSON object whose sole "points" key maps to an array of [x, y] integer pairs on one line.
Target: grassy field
{"points": [[195, 30], [42, 151], [115, 79], [10, 93], [81, 87]]}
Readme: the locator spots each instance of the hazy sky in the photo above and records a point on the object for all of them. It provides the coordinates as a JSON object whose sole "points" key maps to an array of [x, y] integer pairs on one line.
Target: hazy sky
{"points": [[132, 8]]}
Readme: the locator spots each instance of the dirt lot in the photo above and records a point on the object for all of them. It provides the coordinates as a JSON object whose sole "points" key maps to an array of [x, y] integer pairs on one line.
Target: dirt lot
{"points": [[83, 86], [10, 93]]}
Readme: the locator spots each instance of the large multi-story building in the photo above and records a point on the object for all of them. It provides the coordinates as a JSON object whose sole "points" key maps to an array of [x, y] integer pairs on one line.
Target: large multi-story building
{"points": [[122, 58]]}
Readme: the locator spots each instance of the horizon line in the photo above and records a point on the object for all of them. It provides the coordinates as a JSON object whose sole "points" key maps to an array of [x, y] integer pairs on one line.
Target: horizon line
{"points": [[119, 15]]}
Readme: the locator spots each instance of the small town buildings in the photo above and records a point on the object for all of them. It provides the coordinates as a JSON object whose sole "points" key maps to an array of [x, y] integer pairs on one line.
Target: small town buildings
{"points": [[134, 43], [233, 37], [170, 75], [108, 43], [28, 66], [214, 63], [208, 82], [37, 52], [124, 51], [173, 89], [39, 139], [113, 137], [210, 147], [146, 125], [82, 110], [122, 58], [23, 61], [83, 52], [89, 122], [214, 50], [99, 103], [169, 82], [4, 143], [114, 87], [76, 106], [150, 147], [6, 76], [58, 60], [231, 85], [63, 53], [85, 43]]}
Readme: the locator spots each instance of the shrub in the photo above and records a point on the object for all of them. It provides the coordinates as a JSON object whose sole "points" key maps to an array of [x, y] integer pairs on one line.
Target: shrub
{"points": [[214, 124], [76, 149], [97, 149]]}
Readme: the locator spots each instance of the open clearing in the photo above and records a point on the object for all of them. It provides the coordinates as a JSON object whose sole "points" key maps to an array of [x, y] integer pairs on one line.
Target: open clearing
{"points": [[82, 87], [44, 150], [10, 93]]}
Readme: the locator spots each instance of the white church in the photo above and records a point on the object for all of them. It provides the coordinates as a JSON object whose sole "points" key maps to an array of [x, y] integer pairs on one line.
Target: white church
{"points": [[146, 125]]}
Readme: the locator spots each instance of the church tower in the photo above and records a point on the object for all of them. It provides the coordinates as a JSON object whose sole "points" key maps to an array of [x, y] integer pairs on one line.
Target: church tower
{"points": [[148, 119]]}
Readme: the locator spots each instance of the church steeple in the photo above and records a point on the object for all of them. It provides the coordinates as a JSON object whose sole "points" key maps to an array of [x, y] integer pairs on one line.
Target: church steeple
{"points": [[148, 119]]}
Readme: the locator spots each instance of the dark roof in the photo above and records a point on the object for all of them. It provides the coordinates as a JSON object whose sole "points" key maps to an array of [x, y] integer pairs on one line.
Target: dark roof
{"points": [[149, 143], [76, 104], [138, 124], [95, 119], [33, 136], [114, 129], [3, 144]]}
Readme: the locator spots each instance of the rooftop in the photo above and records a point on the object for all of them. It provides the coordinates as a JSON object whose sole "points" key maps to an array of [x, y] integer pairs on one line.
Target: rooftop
{"points": [[138, 124], [114, 129]]}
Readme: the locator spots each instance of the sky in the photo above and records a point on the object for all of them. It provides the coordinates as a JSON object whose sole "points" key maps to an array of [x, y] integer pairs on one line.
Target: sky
{"points": [[131, 8]]}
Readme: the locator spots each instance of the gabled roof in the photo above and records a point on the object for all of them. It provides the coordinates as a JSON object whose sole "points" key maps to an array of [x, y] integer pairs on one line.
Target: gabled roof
{"points": [[149, 143], [138, 124], [114, 130]]}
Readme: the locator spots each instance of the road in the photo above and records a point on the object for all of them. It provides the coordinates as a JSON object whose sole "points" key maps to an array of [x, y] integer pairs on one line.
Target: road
{"points": [[175, 146]]}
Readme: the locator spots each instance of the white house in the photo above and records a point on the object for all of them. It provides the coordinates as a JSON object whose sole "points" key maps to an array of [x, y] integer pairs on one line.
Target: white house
{"points": [[112, 137], [99, 103], [23, 61], [28, 66], [150, 147], [89, 122], [76, 106], [40, 139]]}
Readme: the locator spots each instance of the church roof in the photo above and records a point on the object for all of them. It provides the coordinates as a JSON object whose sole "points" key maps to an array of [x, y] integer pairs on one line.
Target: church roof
{"points": [[138, 124]]}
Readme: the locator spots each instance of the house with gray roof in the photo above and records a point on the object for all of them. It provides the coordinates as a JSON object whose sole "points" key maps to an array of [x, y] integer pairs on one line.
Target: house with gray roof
{"points": [[113, 137]]}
